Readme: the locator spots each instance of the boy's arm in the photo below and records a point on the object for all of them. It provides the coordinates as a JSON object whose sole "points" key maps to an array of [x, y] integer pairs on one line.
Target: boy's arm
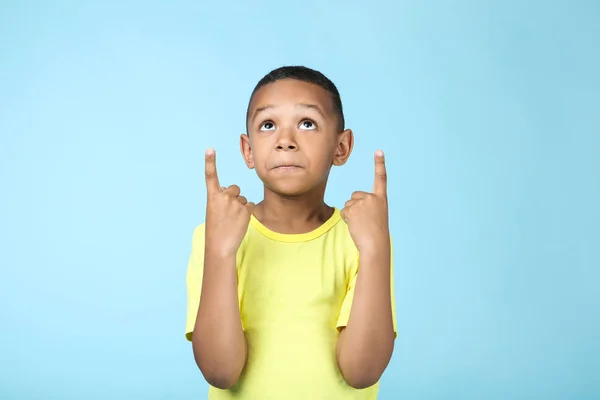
{"points": [[219, 343], [366, 344]]}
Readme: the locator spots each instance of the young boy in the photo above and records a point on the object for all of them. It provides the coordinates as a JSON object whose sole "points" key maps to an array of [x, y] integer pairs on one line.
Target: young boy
{"points": [[291, 298]]}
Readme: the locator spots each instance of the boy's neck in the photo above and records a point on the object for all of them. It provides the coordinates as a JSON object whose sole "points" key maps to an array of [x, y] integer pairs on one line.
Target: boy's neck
{"points": [[292, 215]]}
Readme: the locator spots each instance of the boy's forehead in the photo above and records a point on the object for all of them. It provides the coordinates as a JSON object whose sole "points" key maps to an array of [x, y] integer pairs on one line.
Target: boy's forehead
{"points": [[289, 91]]}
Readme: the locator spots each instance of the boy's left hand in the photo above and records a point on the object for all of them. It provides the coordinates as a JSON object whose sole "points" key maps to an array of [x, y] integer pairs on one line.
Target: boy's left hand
{"points": [[367, 213]]}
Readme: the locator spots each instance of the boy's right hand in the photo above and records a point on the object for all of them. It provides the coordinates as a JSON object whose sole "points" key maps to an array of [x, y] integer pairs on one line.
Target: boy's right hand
{"points": [[227, 213]]}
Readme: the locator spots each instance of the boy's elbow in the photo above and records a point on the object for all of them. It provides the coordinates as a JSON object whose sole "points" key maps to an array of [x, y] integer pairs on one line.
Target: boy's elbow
{"points": [[360, 374], [221, 371], [362, 380], [218, 377], [360, 370], [220, 380]]}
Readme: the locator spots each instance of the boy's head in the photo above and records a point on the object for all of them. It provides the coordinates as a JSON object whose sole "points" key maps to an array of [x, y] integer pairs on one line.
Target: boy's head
{"points": [[302, 74], [295, 131]]}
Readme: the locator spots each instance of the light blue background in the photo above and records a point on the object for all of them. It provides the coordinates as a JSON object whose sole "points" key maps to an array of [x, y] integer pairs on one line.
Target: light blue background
{"points": [[489, 113]]}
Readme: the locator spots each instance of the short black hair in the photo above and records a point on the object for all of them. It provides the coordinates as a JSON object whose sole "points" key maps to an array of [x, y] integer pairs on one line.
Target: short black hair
{"points": [[303, 74]]}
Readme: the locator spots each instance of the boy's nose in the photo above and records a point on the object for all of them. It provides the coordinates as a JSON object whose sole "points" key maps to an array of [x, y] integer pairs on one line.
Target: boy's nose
{"points": [[286, 146], [286, 142]]}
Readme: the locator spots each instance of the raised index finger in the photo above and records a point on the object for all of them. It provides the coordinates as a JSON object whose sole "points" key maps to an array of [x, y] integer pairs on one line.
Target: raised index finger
{"points": [[210, 172], [380, 185]]}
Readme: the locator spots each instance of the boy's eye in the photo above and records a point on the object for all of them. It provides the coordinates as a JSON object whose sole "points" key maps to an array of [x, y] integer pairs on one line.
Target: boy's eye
{"points": [[308, 125], [267, 126]]}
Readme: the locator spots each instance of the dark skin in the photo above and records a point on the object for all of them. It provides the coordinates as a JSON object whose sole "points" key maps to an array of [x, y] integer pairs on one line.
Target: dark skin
{"points": [[293, 140]]}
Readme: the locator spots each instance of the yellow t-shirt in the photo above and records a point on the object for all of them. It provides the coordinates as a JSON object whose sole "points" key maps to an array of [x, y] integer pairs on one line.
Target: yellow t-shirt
{"points": [[295, 292]]}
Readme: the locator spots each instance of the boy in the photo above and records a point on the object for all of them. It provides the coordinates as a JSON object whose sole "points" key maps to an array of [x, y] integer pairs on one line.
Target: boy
{"points": [[277, 307]]}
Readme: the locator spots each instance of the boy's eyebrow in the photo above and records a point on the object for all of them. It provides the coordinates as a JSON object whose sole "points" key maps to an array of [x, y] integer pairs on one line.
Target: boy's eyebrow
{"points": [[313, 106], [261, 109], [304, 105]]}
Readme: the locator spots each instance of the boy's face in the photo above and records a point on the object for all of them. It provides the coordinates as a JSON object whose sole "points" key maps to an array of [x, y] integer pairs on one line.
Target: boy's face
{"points": [[293, 138]]}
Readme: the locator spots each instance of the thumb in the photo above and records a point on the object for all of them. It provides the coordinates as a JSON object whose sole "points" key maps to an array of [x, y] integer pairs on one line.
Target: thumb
{"points": [[210, 172], [380, 184]]}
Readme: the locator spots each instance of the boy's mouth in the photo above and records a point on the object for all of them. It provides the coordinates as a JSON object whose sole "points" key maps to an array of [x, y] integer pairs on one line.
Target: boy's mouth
{"points": [[286, 167]]}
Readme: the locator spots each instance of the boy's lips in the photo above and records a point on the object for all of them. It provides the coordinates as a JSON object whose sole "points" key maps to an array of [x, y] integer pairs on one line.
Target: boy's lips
{"points": [[286, 167]]}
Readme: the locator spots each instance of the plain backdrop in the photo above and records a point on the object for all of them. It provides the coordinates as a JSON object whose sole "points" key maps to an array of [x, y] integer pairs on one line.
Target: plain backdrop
{"points": [[489, 114]]}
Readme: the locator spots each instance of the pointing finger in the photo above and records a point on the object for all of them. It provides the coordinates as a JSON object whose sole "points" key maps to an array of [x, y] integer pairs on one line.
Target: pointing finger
{"points": [[210, 171], [380, 185]]}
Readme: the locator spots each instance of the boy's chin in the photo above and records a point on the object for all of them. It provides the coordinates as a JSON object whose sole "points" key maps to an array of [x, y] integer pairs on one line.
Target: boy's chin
{"points": [[288, 189]]}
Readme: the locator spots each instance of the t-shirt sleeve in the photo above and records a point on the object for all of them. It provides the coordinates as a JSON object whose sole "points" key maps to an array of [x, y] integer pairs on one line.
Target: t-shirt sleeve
{"points": [[194, 279], [347, 304]]}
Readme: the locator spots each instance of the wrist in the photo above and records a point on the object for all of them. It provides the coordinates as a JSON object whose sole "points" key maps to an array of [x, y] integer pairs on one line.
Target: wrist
{"points": [[379, 250], [218, 255]]}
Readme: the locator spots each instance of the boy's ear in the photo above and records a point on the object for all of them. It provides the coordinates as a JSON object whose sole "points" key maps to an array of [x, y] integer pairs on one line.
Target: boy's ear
{"points": [[344, 148], [246, 150]]}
